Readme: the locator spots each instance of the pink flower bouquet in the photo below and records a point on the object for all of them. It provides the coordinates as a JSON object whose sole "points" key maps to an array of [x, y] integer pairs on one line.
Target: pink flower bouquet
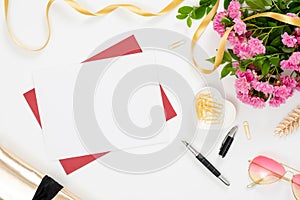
{"points": [[264, 54]]}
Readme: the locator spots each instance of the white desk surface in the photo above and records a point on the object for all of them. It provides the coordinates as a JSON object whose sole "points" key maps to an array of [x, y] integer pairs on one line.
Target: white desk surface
{"points": [[73, 38]]}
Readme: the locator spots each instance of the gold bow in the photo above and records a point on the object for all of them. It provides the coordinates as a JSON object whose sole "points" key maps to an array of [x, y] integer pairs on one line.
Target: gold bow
{"points": [[76, 6]]}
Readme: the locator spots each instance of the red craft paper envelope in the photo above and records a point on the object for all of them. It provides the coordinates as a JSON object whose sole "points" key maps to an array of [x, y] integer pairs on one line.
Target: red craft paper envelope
{"points": [[30, 97], [168, 108], [122, 48], [70, 165], [125, 47]]}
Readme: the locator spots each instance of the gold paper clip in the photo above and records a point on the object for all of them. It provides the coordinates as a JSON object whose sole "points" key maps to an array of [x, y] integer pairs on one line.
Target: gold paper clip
{"points": [[177, 44], [247, 130]]}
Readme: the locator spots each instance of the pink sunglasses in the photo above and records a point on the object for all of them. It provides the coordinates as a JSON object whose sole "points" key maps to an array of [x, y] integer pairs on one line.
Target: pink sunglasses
{"points": [[264, 170]]}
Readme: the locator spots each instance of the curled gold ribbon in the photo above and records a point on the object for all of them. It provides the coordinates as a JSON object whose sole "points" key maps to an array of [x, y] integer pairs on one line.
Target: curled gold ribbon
{"points": [[80, 9], [222, 45], [202, 27]]}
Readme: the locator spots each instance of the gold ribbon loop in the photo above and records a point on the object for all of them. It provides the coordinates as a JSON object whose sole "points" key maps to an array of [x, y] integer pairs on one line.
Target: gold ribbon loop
{"points": [[76, 6], [202, 27]]}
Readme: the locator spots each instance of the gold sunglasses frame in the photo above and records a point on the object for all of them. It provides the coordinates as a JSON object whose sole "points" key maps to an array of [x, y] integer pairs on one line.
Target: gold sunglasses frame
{"points": [[285, 166]]}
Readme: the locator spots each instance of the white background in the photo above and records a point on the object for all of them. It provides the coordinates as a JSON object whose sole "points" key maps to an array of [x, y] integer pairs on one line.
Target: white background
{"points": [[73, 38]]}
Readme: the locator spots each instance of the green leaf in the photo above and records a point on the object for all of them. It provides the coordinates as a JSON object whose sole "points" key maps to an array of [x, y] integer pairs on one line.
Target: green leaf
{"points": [[201, 2], [295, 10], [244, 64], [242, 67], [189, 22], [235, 57], [275, 61], [246, 13], [256, 4], [185, 10], [286, 49], [267, 2], [181, 16], [293, 4], [211, 60], [271, 50], [226, 57], [226, 70], [199, 12], [225, 21], [208, 9], [282, 5], [241, 1], [272, 24], [226, 3], [288, 30], [259, 62], [276, 42], [265, 68]]}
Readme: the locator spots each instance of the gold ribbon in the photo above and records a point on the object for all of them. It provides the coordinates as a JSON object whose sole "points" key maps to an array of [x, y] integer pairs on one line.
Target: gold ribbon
{"points": [[76, 6], [202, 27], [134, 9], [222, 45]]}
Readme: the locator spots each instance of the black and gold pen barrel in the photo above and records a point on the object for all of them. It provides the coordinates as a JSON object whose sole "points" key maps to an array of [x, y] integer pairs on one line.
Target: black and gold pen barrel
{"points": [[206, 163]]}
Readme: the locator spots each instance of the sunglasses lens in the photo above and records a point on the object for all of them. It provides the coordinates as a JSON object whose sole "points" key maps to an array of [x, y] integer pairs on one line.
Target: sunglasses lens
{"points": [[296, 186], [263, 170]]}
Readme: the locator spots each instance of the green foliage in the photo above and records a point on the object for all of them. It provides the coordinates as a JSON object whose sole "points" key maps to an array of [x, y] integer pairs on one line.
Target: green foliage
{"points": [[181, 16], [233, 55], [211, 60], [189, 22], [265, 68], [288, 50], [196, 12], [266, 29], [254, 4], [185, 10], [226, 3], [226, 70]]}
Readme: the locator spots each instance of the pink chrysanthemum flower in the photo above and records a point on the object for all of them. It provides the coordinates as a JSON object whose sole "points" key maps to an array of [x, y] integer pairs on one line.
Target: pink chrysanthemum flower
{"points": [[288, 81], [297, 31], [292, 15], [283, 91], [234, 9], [264, 87], [256, 46], [257, 102], [288, 40], [276, 101], [245, 98], [293, 63], [242, 85], [240, 26], [217, 25], [248, 74]]}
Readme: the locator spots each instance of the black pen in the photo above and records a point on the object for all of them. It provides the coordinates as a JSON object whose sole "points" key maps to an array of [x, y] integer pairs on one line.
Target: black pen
{"points": [[227, 141], [206, 163]]}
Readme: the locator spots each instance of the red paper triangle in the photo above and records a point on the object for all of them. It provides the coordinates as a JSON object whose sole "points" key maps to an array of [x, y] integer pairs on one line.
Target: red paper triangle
{"points": [[122, 48], [30, 97], [168, 108], [72, 164]]}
